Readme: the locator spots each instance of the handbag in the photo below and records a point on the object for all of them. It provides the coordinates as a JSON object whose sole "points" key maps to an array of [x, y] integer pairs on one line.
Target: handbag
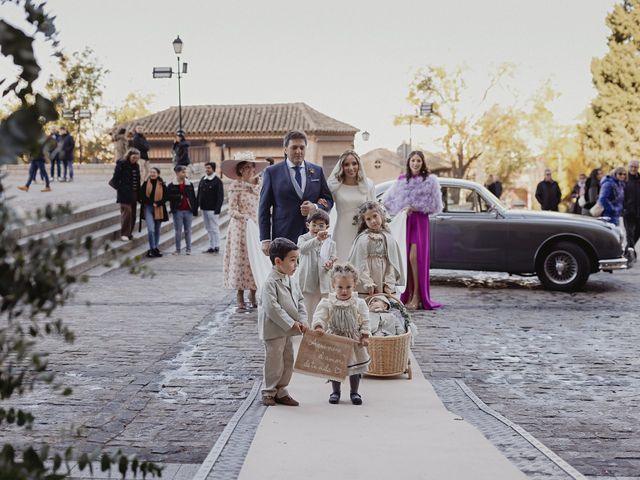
{"points": [[596, 210]]}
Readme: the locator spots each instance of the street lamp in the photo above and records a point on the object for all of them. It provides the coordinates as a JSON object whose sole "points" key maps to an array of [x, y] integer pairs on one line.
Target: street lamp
{"points": [[425, 110], [168, 72], [365, 136], [77, 115]]}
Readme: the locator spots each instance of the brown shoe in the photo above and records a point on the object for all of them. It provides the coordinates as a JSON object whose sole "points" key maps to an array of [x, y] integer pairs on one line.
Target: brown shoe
{"points": [[24, 188], [46, 189], [268, 401], [287, 400]]}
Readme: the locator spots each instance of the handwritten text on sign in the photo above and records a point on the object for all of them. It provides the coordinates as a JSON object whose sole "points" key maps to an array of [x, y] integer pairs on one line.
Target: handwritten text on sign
{"points": [[325, 356]]}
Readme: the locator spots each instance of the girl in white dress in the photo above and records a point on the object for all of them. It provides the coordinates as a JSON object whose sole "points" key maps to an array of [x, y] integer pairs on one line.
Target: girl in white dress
{"points": [[344, 313], [350, 188], [375, 253]]}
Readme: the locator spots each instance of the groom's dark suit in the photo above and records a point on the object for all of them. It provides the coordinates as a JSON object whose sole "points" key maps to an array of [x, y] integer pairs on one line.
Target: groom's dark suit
{"points": [[279, 211]]}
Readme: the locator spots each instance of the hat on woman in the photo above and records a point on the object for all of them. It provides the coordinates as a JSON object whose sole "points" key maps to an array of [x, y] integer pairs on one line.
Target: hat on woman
{"points": [[229, 167]]}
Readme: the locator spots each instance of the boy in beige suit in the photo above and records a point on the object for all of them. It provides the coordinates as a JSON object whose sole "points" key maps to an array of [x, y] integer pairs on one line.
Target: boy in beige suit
{"points": [[281, 314]]}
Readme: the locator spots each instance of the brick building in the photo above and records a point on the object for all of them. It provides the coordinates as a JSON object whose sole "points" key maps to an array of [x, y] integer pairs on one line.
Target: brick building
{"points": [[216, 132]]}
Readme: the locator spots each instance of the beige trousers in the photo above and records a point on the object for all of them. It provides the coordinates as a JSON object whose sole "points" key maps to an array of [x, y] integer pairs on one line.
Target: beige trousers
{"points": [[311, 301], [278, 366], [145, 166]]}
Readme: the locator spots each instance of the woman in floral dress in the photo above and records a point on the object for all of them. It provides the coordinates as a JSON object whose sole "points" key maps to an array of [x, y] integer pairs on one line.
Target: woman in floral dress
{"points": [[243, 205]]}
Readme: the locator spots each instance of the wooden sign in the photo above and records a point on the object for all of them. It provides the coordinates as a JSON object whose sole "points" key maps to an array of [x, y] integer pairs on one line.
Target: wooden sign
{"points": [[325, 356]]}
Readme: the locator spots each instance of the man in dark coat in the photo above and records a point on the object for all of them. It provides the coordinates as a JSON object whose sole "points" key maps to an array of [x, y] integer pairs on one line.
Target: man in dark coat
{"points": [[126, 181], [632, 205], [210, 198], [181, 150], [548, 192], [66, 146], [142, 145], [54, 155], [290, 191], [494, 186]]}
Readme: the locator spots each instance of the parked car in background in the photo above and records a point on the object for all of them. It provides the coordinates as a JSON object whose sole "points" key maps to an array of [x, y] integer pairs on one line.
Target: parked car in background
{"points": [[476, 232]]}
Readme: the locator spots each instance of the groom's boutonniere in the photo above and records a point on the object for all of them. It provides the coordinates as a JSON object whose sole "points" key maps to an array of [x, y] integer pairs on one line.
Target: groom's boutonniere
{"points": [[310, 171]]}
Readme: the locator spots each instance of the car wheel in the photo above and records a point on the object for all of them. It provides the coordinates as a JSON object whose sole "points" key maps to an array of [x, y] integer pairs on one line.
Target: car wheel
{"points": [[564, 267]]}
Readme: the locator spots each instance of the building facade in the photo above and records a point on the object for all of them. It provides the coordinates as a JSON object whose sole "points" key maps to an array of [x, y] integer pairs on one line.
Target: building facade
{"points": [[216, 132]]}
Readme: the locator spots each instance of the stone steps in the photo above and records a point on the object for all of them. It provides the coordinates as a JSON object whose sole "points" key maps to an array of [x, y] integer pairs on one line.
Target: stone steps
{"points": [[101, 222], [107, 259]]}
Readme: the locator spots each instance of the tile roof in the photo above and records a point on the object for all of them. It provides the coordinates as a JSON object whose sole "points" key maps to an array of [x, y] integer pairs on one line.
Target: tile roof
{"points": [[239, 120]]}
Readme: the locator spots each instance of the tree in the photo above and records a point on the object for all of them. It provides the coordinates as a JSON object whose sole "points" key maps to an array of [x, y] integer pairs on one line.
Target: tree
{"points": [[34, 279], [612, 129], [81, 87], [488, 134], [134, 106]]}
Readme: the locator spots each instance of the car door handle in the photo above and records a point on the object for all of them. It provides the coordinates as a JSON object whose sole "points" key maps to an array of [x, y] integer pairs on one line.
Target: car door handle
{"points": [[443, 217]]}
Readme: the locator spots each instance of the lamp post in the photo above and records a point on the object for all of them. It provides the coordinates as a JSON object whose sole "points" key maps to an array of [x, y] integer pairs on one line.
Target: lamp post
{"points": [[77, 115], [168, 72], [425, 110]]}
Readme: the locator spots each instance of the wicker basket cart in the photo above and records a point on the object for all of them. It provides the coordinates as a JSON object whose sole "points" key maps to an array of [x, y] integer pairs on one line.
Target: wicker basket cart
{"points": [[390, 355]]}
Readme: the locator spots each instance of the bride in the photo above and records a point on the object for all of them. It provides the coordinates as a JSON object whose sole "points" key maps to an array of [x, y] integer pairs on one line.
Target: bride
{"points": [[350, 188]]}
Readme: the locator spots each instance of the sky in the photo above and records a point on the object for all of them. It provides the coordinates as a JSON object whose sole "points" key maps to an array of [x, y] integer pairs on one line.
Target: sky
{"points": [[350, 59]]}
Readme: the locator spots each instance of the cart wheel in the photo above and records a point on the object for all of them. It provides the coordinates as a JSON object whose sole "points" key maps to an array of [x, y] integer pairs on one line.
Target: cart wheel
{"points": [[409, 372]]}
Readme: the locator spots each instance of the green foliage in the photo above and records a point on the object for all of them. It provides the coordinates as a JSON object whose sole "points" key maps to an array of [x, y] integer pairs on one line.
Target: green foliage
{"points": [[490, 138], [81, 86], [134, 106], [21, 132], [612, 128], [34, 278]]}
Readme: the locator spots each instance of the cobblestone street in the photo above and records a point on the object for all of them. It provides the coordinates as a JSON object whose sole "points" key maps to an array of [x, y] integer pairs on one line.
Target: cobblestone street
{"points": [[160, 365], [563, 366]]}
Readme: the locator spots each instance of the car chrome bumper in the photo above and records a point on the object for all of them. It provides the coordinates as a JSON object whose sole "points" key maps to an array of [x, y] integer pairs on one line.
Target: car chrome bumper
{"points": [[614, 264]]}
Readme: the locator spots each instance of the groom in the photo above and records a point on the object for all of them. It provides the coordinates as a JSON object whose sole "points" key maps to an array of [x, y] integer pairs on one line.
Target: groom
{"points": [[290, 191]]}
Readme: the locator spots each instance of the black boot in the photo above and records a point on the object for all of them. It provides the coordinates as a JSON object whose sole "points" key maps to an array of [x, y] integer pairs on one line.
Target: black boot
{"points": [[335, 396], [354, 381]]}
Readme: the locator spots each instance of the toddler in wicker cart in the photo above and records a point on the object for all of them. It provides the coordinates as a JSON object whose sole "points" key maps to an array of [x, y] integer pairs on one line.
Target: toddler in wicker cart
{"points": [[382, 320], [344, 313]]}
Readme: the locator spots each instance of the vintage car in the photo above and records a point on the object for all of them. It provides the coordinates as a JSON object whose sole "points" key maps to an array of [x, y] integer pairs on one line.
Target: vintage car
{"points": [[476, 232]]}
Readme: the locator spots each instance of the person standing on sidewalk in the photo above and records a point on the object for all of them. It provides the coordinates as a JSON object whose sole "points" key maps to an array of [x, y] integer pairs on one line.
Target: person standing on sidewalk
{"points": [[184, 206], [632, 205], [210, 198], [38, 164], [548, 192], [54, 156], [153, 196], [120, 143], [494, 185], [66, 146], [243, 204], [181, 151], [126, 181], [142, 145], [612, 195]]}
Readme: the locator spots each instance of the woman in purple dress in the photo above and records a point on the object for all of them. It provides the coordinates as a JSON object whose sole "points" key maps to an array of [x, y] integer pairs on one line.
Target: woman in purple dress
{"points": [[419, 193]]}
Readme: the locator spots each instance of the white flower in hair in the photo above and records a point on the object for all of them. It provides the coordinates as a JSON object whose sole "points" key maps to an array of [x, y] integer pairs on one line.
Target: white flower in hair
{"points": [[244, 156]]}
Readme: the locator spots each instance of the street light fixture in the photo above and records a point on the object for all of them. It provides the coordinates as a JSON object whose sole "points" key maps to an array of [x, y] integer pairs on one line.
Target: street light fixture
{"points": [[425, 110], [77, 115], [168, 72], [162, 72], [177, 45], [365, 136]]}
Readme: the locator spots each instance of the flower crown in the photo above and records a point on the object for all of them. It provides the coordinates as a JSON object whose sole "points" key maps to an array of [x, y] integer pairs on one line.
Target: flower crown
{"points": [[244, 156]]}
